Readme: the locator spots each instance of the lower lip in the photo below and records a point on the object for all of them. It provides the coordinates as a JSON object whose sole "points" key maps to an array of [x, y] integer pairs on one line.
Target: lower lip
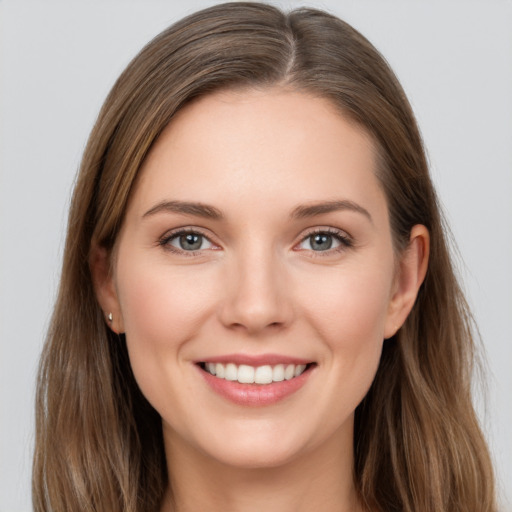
{"points": [[256, 395]]}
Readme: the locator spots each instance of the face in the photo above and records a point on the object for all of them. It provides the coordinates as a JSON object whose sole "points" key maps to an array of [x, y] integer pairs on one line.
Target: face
{"points": [[256, 247]]}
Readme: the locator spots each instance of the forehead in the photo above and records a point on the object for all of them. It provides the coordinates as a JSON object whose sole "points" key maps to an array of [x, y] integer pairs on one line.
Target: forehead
{"points": [[245, 147]]}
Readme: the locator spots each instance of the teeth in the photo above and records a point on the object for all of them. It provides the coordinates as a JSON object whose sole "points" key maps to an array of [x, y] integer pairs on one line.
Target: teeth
{"points": [[220, 370], [250, 375], [245, 374], [289, 372], [299, 369], [278, 373], [231, 372], [263, 375]]}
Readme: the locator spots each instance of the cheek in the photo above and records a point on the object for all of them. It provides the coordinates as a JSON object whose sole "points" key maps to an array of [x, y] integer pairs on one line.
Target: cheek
{"points": [[350, 305], [349, 317], [158, 304], [162, 308]]}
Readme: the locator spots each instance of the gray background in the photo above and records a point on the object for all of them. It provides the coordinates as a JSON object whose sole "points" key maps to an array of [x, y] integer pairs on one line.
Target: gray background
{"points": [[59, 59]]}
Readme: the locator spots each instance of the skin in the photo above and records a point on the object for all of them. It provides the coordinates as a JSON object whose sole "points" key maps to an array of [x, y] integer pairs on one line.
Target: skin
{"points": [[257, 286]]}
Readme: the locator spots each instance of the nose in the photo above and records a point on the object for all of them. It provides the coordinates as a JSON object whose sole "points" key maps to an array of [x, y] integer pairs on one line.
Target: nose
{"points": [[257, 298]]}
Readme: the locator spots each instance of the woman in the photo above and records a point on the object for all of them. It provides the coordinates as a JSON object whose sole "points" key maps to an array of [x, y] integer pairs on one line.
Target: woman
{"points": [[257, 307]]}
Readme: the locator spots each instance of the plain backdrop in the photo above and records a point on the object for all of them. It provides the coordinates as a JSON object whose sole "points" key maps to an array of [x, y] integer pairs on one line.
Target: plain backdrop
{"points": [[59, 60]]}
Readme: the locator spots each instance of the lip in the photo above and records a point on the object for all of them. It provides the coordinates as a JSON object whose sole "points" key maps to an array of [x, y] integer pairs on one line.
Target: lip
{"points": [[256, 395], [255, 360]]}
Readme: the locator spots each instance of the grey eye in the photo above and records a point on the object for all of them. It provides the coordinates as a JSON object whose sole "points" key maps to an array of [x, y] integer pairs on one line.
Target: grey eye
{"points": [[190, 242], [320, 241], [323, 241]]}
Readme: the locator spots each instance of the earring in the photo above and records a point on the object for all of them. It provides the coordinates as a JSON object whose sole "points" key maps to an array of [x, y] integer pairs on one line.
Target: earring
{"points": [[110, 318]]}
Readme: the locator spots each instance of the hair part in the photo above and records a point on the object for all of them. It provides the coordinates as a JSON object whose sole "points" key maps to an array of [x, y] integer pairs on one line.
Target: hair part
{"points": [[99, 445]]}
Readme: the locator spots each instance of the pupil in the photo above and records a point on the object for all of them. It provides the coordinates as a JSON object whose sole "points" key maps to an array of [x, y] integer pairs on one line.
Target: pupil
{"points": [[190, 241], [321, 242]]}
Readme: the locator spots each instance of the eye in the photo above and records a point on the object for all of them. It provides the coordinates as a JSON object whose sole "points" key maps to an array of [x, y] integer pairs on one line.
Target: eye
{"points": [[325, 240], [186, 241]]}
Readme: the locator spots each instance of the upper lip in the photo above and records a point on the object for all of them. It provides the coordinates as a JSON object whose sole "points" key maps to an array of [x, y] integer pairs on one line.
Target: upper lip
{"points": [[255, 360]]}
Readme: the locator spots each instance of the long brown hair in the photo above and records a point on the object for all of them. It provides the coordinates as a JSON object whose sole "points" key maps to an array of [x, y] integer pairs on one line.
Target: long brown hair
{"points": [[99, 446]]}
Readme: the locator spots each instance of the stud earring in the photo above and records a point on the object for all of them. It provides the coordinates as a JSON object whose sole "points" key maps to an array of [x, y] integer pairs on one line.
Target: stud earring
{"points": [[110, 318]]}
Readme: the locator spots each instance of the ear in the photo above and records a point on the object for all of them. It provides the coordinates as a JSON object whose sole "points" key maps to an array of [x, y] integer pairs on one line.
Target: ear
{"points": [[104, 286], [411, 271]]}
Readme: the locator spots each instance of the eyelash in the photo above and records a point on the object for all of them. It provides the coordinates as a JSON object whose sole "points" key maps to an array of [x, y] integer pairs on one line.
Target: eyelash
{"points": [[168, 237], [345, 241]]}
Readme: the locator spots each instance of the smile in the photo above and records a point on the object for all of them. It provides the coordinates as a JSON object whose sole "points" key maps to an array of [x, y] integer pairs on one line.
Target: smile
{"points": [[246, 374], [248, 381]]}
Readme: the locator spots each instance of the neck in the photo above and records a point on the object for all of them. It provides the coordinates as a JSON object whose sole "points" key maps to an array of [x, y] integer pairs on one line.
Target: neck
{"points": [[322, 479]]}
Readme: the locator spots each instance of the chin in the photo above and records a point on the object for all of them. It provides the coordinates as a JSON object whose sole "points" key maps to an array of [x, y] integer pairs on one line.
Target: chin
{"points": [[255, 456], [257, 444], [241, 443]]}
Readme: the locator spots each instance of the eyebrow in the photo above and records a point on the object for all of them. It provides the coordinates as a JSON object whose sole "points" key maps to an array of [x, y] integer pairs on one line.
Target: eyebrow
{"points": [[300, 212], [187, 208], [311, 210]]}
